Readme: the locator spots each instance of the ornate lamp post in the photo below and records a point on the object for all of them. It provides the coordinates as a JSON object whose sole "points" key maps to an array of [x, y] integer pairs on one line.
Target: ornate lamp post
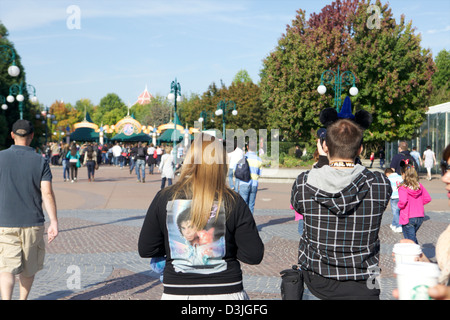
{"points": [[337, 80], [8, 54], [3, 102], [205, 115], [17, 90], [175, 95], [222, 108]]}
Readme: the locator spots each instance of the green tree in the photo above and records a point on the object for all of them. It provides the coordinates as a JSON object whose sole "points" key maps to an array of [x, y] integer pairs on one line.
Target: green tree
{"points": [[9, 116], [155, 113], [393, 73], [110, 110], [441, 79], [242, 76]]}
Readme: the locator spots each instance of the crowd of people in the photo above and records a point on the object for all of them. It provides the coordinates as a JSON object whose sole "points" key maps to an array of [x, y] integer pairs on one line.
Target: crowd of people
{"points": [[200, 229], [136, 157]]}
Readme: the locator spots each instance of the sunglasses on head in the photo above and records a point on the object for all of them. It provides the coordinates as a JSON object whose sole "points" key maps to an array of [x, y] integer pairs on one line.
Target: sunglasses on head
{"points": [[444, 166]]}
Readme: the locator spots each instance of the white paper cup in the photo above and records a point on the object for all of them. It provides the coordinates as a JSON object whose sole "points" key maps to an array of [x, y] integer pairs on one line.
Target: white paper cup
{"points": [[406, 252], [415, 278]]}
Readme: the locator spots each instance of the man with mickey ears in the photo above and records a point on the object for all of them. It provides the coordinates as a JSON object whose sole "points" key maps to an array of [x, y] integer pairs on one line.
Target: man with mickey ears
{"points": [[342, 204]]}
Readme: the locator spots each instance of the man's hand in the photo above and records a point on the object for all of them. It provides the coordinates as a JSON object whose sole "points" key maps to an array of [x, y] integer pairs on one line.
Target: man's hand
{"points": [[52, 231]]}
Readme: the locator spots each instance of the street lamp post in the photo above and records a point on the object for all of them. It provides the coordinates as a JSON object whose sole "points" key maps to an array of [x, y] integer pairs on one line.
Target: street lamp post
{"points": [[3, 102], [222, 108], [175, 95], [9, 55], [337, 80], [17, 90], [204, 115]]}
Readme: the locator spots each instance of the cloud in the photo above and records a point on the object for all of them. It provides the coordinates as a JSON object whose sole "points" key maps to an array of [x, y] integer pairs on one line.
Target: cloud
{"points": [[26, 14], [433, 31]]}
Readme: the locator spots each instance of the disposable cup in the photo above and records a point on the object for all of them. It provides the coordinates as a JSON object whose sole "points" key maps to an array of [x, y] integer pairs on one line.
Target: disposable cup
{"points": [[415, 278], [406, 252]]}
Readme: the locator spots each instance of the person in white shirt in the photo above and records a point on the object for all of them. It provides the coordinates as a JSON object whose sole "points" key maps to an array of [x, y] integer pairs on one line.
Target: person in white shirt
{"points": [[429, 160], [117, 151], [233, 159]]}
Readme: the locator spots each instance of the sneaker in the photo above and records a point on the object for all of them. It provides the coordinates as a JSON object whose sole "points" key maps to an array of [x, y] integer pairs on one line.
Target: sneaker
{"points": [[143, 180], [71, 181], [399, 230]]}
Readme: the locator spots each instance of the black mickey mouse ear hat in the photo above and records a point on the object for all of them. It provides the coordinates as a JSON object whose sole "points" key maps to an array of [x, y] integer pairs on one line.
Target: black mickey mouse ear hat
{"points": [[330, 115]]}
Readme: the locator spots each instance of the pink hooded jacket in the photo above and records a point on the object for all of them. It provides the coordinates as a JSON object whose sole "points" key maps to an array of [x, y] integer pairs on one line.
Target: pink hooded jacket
{"points": [[411, 203]]}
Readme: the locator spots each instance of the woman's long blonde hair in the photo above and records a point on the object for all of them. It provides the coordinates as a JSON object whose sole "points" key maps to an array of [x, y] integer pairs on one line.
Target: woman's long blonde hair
{"points": [[203, 179]]}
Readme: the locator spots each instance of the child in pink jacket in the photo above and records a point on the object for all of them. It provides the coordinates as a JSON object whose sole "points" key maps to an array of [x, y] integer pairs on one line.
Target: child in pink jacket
{"points": [[412, 198]]}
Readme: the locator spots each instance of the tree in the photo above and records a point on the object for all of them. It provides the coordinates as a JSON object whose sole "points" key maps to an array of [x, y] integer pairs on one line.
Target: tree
{"points": [[9, 116], [110, 110], [242, 76], [393, 73], [155, 113], [441, 79]]}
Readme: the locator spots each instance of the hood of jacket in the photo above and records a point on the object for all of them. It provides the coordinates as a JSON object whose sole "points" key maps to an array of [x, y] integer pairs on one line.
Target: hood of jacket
{"points": [[340, 191], [414, 193]]}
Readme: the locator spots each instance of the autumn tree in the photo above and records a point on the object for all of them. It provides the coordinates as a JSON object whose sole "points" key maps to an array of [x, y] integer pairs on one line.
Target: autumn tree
{"points": [[393, 72]]}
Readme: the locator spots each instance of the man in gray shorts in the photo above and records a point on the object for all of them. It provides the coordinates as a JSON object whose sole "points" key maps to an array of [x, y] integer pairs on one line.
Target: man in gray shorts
{"points": [[25, 183]]}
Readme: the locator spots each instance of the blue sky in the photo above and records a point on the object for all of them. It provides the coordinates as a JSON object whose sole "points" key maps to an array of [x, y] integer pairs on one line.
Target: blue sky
{"points": [[122, 46]]}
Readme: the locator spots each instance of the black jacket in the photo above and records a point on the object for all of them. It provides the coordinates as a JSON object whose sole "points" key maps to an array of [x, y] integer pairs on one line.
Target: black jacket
{"points": [[200, 262]]}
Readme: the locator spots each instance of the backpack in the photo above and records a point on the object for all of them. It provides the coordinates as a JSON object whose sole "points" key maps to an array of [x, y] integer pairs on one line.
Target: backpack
{"points": [[242, 171], [141, 152]]}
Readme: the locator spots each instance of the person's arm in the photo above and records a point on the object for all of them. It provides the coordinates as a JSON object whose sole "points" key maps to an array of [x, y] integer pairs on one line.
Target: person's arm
{"points": [[151, 238], [402, 198], [250, 248], [48, 199], [425, 196]]}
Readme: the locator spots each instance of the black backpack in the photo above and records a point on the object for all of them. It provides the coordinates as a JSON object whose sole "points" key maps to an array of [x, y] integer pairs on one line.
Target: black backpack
{"points": [[141, 152], [242, 171]]}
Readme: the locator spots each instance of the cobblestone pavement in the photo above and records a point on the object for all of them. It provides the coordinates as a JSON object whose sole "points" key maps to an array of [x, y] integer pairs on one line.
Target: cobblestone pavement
{"points": [[95, 255]]}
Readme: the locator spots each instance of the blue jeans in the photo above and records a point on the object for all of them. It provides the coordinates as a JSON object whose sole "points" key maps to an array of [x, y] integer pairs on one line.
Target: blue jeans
{"points": [[65, 165], [230, 177], [248, 193], [395, 213], [300, 227], [140, 168], [90, 168], [410, 229]]}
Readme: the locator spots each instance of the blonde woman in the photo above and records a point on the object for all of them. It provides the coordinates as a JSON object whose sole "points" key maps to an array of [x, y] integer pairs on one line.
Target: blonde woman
{"points": [[202, 228]]}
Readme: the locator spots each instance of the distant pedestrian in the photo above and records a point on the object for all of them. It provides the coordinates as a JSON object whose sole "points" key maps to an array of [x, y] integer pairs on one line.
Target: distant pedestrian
{"points": [[395, 179], [429, 161], [90, 161], [167, 167], [382, 156], [74, 162], [141, 156], [65, 161], [416, 155], [151, 158], [412, 198], [233, 158], [403, 154], [25, 184], [248, 190], [372, 158]]}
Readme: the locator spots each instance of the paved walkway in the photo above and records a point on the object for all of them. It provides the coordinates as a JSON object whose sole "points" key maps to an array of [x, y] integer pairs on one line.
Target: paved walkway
{"points": [[95, 256]]}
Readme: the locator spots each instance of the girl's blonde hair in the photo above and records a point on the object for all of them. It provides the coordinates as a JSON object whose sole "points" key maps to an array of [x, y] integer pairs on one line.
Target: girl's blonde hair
{"points": [[203, 179], [409, 175]]}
